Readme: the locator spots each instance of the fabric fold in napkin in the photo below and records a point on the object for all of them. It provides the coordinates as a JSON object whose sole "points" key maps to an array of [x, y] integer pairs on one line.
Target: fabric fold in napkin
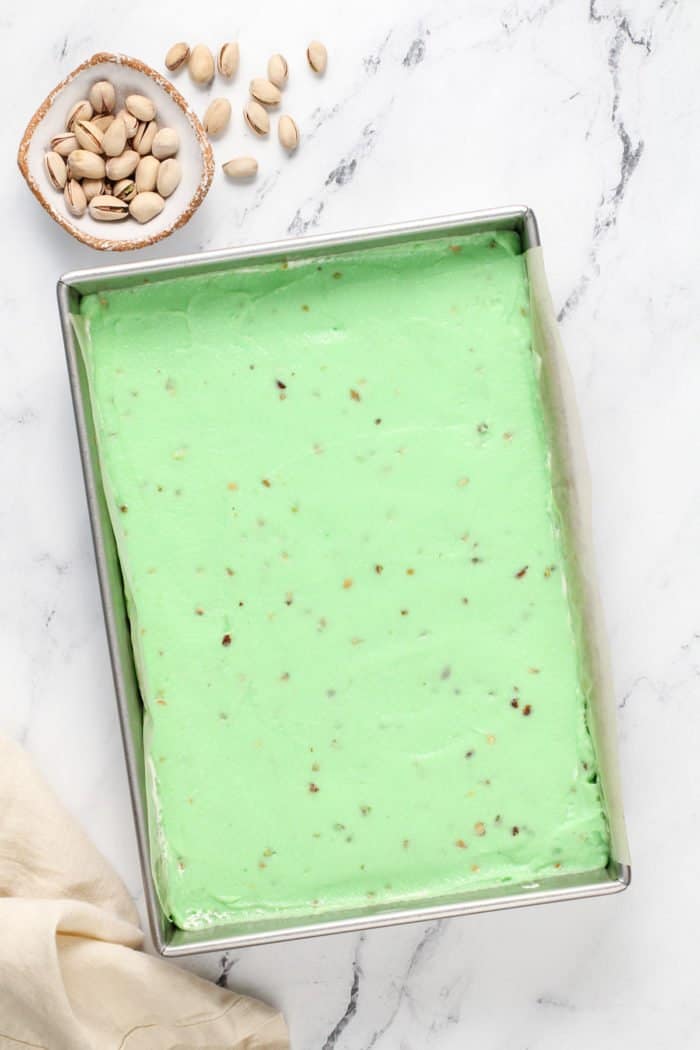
{"points": [[72, 975]]}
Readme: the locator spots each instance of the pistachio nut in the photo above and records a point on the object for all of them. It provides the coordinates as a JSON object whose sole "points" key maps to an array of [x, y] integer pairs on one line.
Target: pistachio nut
{"points": [[227, 60], [241, 167], [277, 70], [55, 167], [84, 164], [121, 167], [82, 110], [145, 206], [102, 96], [74, 198], [124, 189], [169, 175], [317, 56], [108, 209], [114, 139], [141, 107], [166, 143], [88, 135], [143, 139], [64, 143], [130, 122], [103, 122], [256, 117], [201, 64], [93, 188], [146, 174], [217, 116], [264, 91], [288, 132], [176, 56]]}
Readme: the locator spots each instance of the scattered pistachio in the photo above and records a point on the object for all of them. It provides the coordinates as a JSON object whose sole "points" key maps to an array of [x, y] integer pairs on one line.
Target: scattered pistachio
{"points": [[74, 197], [88, 135], [217, 116], [114, 140], [55, 167], [146, 175], [130, 122], [256, 118], [165, 144], [81, 110], [83, 164], [141, 107], [102, 96], [64, 143], [317, 56], [227, 60], [201, 64], [169, 175], [142, 141], [108, 209], [177, 56], [265, 91], [121, 167], [241, 167], [288, 132], [145, 206], [124, 189], [94, 188], [277, 70]]}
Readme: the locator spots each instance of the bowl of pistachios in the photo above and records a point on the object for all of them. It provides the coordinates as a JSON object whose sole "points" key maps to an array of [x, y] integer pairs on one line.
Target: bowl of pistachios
{"points": [[116, 156]]}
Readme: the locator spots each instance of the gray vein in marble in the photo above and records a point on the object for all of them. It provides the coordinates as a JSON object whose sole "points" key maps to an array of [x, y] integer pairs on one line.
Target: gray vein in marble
{"points": [[416, 52], [424, 944], [373, 61], [527, 18], [607, 211], [227, 965], [351, 1008], [555, 1002]]}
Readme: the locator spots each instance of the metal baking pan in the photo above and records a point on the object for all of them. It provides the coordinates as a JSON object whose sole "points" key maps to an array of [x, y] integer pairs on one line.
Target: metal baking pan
{"points": [[572, 493]]}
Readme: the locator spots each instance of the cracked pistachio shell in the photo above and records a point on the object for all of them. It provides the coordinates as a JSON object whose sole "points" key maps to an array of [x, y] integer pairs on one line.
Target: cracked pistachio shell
{"points": [[93, 188], [241, 167], [82, 110], [145, 206], [165, 144], [74, 197], [64, 143], [288, 132], [217, 116], [106, 208], [102, 96], [114, 139], [227, 59], [103, 122], [256, 118], [130, 122], [317, 56], [141, 107], [124, 189], [265, 92], [143, 139], [277, 70], [88, 135], [83, 164], [121, 167], [55, 167], [201, 64], [146, 174], [169, 175], [176, 56]]}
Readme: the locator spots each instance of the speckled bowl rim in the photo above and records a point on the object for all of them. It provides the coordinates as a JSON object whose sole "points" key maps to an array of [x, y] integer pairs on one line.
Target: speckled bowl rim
{"points": [[107, 244]]}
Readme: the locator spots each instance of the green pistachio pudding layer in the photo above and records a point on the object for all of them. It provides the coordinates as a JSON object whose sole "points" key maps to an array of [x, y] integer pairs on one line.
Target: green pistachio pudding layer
{"points": [[330, 488]]}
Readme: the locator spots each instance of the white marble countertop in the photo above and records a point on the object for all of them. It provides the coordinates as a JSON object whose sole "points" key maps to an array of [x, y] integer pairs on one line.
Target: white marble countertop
{"points": [[588, 111]]}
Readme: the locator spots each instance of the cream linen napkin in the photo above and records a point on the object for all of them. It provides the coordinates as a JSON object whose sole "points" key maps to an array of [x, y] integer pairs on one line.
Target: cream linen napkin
{"points": [[72, 976]]}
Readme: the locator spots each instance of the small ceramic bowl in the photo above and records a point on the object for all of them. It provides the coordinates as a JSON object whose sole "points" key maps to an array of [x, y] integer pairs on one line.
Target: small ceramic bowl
{"points": [[129, 76]]}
